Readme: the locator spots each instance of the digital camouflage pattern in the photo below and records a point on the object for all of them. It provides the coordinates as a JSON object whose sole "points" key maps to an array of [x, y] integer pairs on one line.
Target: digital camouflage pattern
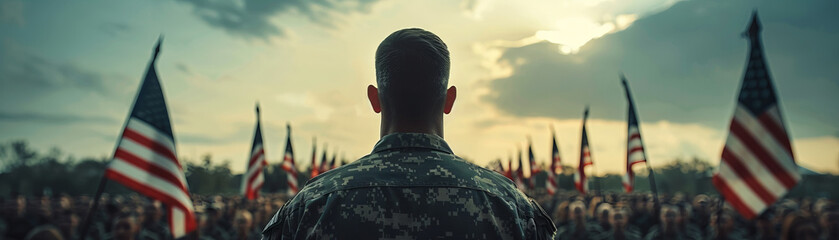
{"points": [[410, 187]]}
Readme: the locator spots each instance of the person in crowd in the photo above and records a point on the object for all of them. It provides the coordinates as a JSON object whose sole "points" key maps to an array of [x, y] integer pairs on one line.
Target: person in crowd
{"points": [[14, 213], [722, 226], [217, 229], [561, 215], [67, 222], [602, 215], [829, 221], [690, 230], [799, 226], [44, 232], [579, 228], [701, 213], [243, 224], [620, 228], [764, 230], [668, 227], [153, 221], [125, 227]]}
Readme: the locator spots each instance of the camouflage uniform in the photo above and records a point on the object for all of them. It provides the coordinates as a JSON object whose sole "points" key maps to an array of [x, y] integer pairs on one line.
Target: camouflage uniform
{"points": [[410, 187]]}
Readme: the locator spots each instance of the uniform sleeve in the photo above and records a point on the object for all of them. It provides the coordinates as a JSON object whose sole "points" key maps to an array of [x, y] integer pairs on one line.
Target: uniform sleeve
{"points": [[274, 230], [545, 228]]}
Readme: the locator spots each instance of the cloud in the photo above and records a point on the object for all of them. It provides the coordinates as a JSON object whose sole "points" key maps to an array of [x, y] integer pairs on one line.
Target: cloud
{"points": [[473, 8], [24, 71], [182, 67], [684, 65], [254, 19], [52, 118]]}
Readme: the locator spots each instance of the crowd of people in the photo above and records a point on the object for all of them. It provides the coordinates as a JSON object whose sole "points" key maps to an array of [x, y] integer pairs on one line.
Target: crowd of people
{"points": [[133, 217], [607, 216], [638, 216]]}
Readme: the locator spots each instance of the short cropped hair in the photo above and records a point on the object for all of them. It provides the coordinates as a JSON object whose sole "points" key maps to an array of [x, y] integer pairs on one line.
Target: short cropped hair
{"points": [[412, 72]]}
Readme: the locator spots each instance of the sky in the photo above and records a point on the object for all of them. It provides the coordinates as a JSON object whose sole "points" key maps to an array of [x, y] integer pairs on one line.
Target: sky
{"points": [[69, 71]]}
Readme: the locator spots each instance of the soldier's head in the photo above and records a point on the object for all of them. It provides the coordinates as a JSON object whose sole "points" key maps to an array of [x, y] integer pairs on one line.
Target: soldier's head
{"points": [[125, 226], [412, 73], [242, 221], [578, 211], [669, 217], [619, 217]]}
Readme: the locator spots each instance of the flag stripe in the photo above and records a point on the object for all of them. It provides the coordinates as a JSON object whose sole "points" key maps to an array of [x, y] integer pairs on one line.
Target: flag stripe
{"points": [[732, 197], [763, 136], [772, 124], [744, 192], [255, 169], [760, 152], [636, 149], [125, 156], [755, 167], [253, 177], [147, 143], [257, 182], [151, 182], [153, 192], [176, 216], [256, 155], [152, 157], [747, 177], [143, 128]]}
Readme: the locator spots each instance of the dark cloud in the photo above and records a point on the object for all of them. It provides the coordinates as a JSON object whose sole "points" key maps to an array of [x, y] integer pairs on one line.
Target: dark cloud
{"points": [[183, 68], [252, 19], [53, 118], [28, 72], [115, 29], [684, 65]]}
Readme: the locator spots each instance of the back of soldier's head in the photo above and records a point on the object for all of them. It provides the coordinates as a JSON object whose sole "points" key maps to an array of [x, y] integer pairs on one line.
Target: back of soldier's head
{"points": [[412, 72]]}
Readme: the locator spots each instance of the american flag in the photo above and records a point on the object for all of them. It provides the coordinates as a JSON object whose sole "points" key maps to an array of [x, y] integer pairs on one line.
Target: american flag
{"points": [[634, 146], [499, 166], [551, 184], [324, 162], [332, 163], [580, 181], [145, 159], [315, 167], [519, 176], [509, 171], [288, 163], [534, 168], [757, 166], [254, 177]]}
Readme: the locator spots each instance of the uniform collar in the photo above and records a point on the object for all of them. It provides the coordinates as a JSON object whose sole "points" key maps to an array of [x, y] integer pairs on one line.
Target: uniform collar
{"points": [[412, 140]]}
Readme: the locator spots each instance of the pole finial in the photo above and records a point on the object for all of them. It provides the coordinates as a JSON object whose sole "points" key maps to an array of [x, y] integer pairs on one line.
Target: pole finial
{"points": [[157, 48], [585, 113], [257, 108], [623, 78], [754, 27]]}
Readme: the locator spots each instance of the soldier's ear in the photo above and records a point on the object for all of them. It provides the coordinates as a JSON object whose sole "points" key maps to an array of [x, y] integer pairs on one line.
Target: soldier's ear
{"points": [[451, 95], [373, 96]]}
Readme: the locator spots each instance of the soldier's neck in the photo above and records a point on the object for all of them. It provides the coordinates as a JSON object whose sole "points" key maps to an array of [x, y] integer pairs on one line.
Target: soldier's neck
{"points": [[390, 127]]}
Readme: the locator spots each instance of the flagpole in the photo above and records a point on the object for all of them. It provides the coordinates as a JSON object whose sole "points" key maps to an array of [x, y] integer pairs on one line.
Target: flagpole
{"points": [[720, 206], [103, 180], [651, 177]]}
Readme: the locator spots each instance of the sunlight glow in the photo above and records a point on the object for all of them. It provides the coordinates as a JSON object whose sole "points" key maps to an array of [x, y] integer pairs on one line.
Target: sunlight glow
{"points": [[573, 33]]}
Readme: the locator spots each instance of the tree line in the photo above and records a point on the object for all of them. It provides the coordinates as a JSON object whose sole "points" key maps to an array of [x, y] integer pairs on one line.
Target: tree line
{"points": [[28, 171]]}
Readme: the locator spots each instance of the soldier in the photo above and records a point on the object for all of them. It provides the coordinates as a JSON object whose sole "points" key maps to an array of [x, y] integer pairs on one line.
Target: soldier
{"points": [[411, 186]]}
